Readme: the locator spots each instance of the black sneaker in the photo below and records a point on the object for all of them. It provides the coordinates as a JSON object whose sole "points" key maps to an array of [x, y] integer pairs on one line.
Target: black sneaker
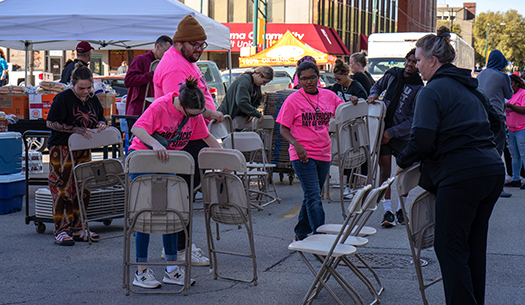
{"points": [[514, 183], [388, 220], [400, 217]]}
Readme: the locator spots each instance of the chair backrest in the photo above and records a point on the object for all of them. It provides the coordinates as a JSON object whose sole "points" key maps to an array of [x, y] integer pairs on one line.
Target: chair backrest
{"points": [[267, 123], [224, 193], [239, 122], [356, 204], [422, 217], [145, 161], [221, 130], [408, 179], [265, 131], [158, 201], [106, 137], [376, 118], [99, 173], [245, 141], [349, 111]]}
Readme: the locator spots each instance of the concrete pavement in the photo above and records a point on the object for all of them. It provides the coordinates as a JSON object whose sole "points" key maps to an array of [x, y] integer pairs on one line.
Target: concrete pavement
{"points": [[35, 271]]}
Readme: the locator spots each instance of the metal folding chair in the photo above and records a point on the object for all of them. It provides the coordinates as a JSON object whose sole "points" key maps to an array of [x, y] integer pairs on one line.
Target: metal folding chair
{"points": [[158, 203], [226, 201], [221, 130], [376, 127], [350, 143], [98, 174], [248, 142], [421, 219]]}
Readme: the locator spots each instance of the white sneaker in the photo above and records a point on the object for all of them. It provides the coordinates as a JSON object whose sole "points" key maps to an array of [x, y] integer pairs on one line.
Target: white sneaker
{"points": [[146, 280], [176, 277], [198, 196], [346, 191], [163, 254], [197, 257]]}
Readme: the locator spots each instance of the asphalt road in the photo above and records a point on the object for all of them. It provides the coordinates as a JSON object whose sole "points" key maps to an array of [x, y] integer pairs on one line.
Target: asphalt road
{"points": [[35, 271]]}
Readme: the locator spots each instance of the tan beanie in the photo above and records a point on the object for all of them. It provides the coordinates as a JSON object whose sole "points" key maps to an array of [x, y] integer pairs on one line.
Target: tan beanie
{"points": [[189, 29]]}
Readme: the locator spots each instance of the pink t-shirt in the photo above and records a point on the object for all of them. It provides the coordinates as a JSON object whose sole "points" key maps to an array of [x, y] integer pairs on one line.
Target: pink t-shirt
{"points": [[307, 126], [172, 70], [516, 121], [162, 117]]}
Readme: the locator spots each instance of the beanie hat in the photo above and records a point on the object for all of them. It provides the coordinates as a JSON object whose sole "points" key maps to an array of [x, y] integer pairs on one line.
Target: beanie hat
{"points": [[189, 29]]}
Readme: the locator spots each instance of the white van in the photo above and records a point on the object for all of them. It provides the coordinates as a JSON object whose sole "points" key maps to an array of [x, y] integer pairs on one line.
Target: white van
{"points": [[387, 50]]}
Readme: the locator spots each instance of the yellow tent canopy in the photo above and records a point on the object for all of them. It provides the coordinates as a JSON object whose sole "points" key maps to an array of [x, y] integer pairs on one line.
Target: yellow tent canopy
{"points": [[285, 52]]}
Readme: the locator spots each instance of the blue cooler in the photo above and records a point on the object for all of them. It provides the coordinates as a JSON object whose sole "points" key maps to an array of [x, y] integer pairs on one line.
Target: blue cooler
{"points": [[10, 152], [12, 191]]}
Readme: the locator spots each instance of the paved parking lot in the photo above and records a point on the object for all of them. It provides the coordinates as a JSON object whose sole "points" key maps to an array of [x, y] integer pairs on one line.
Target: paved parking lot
{"points": [[35, 271]]}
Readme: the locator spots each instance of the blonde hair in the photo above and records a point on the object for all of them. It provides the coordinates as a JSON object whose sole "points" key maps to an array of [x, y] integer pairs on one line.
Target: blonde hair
{"points": [[360, 57]]}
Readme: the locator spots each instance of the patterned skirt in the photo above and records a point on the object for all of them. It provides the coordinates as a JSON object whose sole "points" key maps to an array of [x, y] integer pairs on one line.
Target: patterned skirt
{"points": [[66, 214]]}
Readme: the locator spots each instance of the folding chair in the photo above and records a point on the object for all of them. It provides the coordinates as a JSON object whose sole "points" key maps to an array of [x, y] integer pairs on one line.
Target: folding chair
{"points": [[226, 200], [147, 99], [421, 219], [350, 143], [158, 202], [221, 130], [97, 174], [248, 142], [376, 126], [331, 250], [239, 123]]}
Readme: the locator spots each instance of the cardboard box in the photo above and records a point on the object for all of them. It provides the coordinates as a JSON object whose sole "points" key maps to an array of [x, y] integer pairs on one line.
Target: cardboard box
{"points": [[15, 104], [39, 106]]}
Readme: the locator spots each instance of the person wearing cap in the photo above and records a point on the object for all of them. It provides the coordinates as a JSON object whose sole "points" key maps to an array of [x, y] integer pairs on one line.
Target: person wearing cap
{"points": [[177, 64], [139, 76], [83, 56]]}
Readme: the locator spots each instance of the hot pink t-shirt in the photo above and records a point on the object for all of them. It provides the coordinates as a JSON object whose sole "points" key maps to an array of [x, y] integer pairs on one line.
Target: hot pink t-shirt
{"points": [[307, 126], [516, 121], [172, 70], [162, 117]]}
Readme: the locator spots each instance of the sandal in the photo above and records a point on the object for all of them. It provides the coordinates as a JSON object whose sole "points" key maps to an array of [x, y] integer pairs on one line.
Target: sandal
{"points": [[63, 239], [94, 236]]}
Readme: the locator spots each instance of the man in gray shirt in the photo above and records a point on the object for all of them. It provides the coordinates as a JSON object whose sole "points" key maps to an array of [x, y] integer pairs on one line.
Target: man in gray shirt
{"points": [[496, 85]]}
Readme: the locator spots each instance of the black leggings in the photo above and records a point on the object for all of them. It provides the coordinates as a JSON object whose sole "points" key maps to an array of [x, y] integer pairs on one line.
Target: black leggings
{"points": [[463, 210]]}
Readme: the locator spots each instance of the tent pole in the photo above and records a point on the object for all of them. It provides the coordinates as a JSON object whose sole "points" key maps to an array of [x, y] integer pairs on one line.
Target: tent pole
{"points": [[26, 44], [230, 64]]}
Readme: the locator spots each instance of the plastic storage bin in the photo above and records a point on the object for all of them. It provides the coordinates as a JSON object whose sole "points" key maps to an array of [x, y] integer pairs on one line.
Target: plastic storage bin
{"points": [[12, 191], [10, 152]]}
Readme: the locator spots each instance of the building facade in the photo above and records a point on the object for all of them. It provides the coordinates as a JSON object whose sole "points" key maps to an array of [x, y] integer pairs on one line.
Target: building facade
{"points": [[462, 16], [416, 15], [351, 20]]}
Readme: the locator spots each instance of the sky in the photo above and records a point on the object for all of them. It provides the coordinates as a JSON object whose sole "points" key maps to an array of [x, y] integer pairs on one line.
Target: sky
{"points": [[489, 5]]}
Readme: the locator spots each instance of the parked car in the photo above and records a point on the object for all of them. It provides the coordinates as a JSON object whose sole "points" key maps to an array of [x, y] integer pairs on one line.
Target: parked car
{"points": [[212, 74], [327, 78], [281, 79], [115, 81]]}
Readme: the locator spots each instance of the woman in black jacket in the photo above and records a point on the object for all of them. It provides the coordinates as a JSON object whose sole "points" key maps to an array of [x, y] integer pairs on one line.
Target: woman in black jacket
{"points": [[451, 136]]}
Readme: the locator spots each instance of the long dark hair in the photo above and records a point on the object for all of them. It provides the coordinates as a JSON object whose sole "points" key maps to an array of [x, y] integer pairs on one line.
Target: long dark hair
{"points": [[190, 95], [518, 81], [2, 54]]}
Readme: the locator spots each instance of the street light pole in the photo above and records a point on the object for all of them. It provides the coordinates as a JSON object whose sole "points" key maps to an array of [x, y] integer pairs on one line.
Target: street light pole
{"points": [[488, 26]]}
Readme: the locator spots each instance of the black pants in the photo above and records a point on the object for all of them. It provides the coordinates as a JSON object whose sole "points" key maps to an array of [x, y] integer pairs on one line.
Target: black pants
{"points": [[193, 148], [463, 210]]}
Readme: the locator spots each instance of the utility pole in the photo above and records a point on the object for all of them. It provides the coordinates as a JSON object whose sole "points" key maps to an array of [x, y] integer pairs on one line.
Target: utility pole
{"points": [[488, 26]]}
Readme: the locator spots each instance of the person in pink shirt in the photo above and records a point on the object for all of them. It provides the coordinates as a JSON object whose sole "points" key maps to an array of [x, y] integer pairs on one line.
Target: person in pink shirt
{"points": [[296, 78], [175, 119], [177, 64], [305, 118], [515, 110]]}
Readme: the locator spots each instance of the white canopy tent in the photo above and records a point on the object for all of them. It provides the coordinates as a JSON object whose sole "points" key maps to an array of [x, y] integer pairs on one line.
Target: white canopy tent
{"points": [[106, 24]]}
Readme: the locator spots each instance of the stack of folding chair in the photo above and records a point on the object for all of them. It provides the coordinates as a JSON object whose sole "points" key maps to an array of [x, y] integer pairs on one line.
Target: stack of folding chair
{"points": [[421, 219], [332, 250], [226, 201]]}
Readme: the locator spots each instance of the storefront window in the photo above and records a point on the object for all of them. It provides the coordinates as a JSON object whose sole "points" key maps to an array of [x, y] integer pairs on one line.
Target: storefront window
{"points": [[276, 11], [219, 10]]}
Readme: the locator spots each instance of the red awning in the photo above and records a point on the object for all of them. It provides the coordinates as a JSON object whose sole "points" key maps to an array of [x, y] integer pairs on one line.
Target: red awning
{"points": [[319, 37], [363, 42]]}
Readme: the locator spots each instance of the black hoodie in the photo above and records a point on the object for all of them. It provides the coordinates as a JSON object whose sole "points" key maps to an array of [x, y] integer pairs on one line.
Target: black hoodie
{"points": [[451, 133]]}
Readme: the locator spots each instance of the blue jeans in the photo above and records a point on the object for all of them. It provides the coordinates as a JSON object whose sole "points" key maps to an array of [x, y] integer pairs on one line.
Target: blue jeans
{"points": [[517, 152], [312, 176], [142, 241]]}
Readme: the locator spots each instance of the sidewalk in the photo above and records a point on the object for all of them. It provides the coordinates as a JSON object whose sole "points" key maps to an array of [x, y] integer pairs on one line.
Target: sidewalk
{"points": [[35, 271]]}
